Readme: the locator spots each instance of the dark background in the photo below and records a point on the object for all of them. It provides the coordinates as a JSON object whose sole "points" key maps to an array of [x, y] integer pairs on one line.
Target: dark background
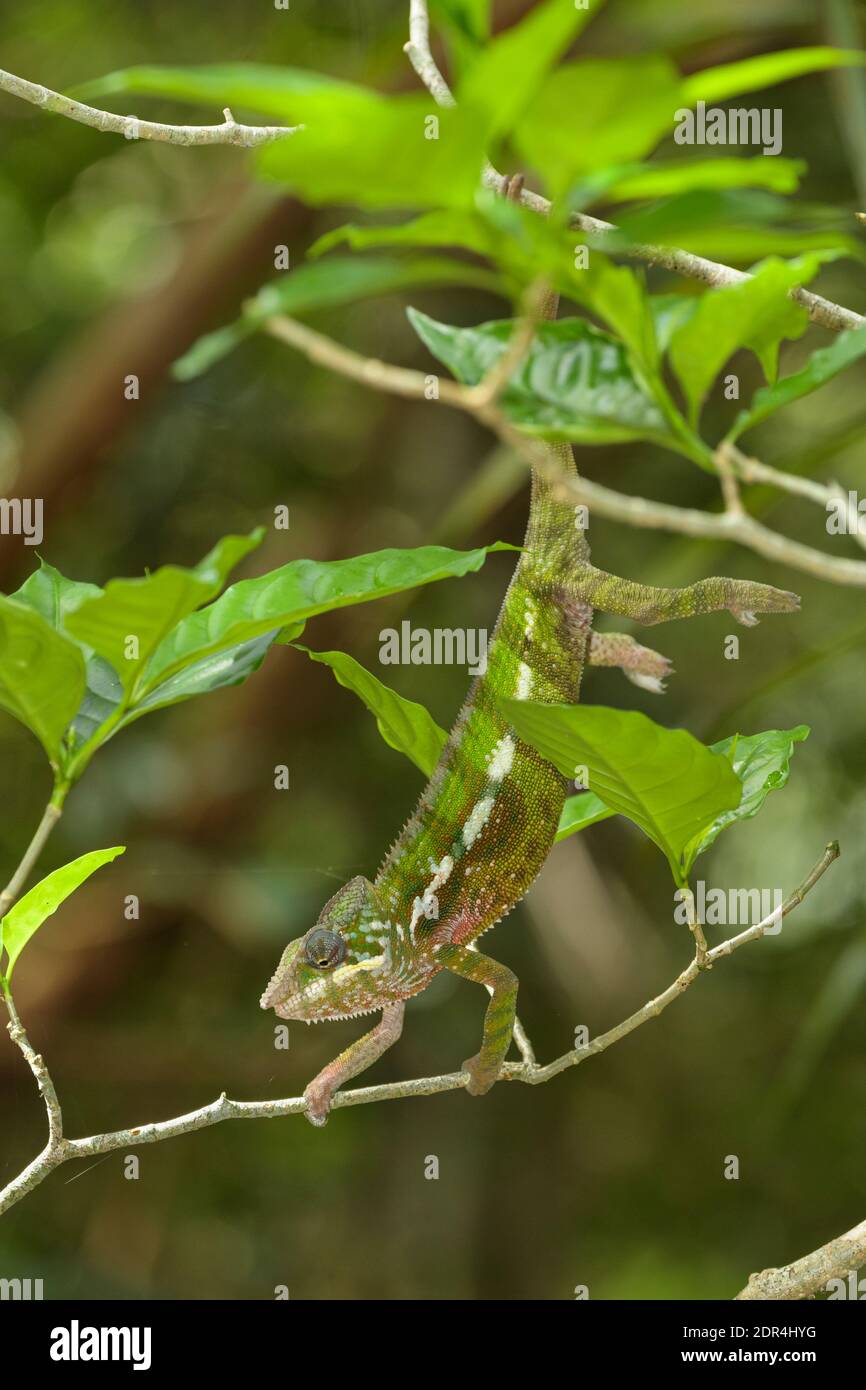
{"points": [[115, 257]]}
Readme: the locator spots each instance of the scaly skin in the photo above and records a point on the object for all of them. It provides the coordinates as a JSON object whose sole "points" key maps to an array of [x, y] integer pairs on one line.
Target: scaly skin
{"points": [[487, 819]]}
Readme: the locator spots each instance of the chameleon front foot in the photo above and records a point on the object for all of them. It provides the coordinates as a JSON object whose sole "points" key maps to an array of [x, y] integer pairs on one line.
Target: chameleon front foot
{"points": [[317, 1102], [320, 1093]]}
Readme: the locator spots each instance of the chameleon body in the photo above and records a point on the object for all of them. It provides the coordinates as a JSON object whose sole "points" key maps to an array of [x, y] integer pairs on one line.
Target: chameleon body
{"points": [[488, 817]]}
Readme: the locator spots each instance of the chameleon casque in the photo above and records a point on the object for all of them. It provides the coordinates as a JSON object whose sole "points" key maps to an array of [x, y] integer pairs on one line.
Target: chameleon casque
{"points": [[487, 818]]}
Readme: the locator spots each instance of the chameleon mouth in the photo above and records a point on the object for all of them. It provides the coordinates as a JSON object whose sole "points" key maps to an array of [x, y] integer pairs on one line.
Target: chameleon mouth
{"points": [[271, 996]]}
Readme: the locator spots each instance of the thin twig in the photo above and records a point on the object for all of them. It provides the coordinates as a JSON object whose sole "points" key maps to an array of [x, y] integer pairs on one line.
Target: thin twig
{"points": [[420, 56], [751, 470], [490, 388], [729, 480], [50, 817], [604, 501], [702, 955], [527, 1071], [40, 1071], [523, 1044], [229, 133]]}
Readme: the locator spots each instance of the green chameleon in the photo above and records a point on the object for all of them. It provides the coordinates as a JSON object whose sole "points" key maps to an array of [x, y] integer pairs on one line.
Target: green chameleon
{"points": [[487, 818]]}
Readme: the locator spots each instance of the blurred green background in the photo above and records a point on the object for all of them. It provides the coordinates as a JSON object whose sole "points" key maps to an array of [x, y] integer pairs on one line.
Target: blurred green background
{"points": [[115, 258]]}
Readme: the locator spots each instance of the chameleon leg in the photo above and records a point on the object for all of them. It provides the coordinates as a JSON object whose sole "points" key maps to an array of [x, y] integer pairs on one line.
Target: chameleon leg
{"points": [[648, 605], [501, 984], [357, 1057], [641, 664]]}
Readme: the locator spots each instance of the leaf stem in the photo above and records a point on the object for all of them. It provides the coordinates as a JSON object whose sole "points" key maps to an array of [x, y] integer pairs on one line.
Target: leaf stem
{"points": [[50, 816]]}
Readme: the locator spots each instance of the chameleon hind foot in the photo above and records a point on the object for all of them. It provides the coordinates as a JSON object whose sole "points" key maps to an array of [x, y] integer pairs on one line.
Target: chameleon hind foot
{"points": [[642, 665], [482, 1075]]}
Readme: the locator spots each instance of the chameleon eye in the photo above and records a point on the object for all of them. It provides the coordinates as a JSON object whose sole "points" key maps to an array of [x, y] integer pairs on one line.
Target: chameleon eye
{"points": [[325, 949]]}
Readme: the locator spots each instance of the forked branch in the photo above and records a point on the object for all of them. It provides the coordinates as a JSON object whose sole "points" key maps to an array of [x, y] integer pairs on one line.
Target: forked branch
{"points": [[729, 525], [60, 1150]]}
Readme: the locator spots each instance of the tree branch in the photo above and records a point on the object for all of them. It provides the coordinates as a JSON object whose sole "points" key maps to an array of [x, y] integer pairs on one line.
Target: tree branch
{"points": [[813, 1272], [751, 470], [420, 56], [229, 133], [60, 1150], [604, 501]]}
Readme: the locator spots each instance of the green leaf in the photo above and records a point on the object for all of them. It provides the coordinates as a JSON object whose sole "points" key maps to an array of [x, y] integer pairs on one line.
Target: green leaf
{"points": [[734, 225], [446, 227], [217, 671], [664, 180], [127, 621], [466, 24], [211, 348], [670, 312], [53, 596], [41, 675], [756, 313], [574, 383], [762, 762], [404, 725], [580, 811], [270, 90], [507, 76], [662, 779], [822, 366], [50, 594], [765, 70], [375, 151], [28, 914], [618, 296], [290, 595], [339, 280], [598, 112], [103, 694], [472, 17]]}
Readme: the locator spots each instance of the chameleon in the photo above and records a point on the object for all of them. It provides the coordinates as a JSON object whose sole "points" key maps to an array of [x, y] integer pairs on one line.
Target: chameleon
{"points": [[488, 816]]}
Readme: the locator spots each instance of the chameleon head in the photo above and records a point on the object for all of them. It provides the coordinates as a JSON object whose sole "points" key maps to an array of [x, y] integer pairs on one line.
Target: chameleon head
{"points": [[334, 970]]}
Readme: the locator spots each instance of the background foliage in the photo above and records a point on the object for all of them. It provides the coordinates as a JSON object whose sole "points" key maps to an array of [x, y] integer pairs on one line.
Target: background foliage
{"points": [[124, 255]]}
